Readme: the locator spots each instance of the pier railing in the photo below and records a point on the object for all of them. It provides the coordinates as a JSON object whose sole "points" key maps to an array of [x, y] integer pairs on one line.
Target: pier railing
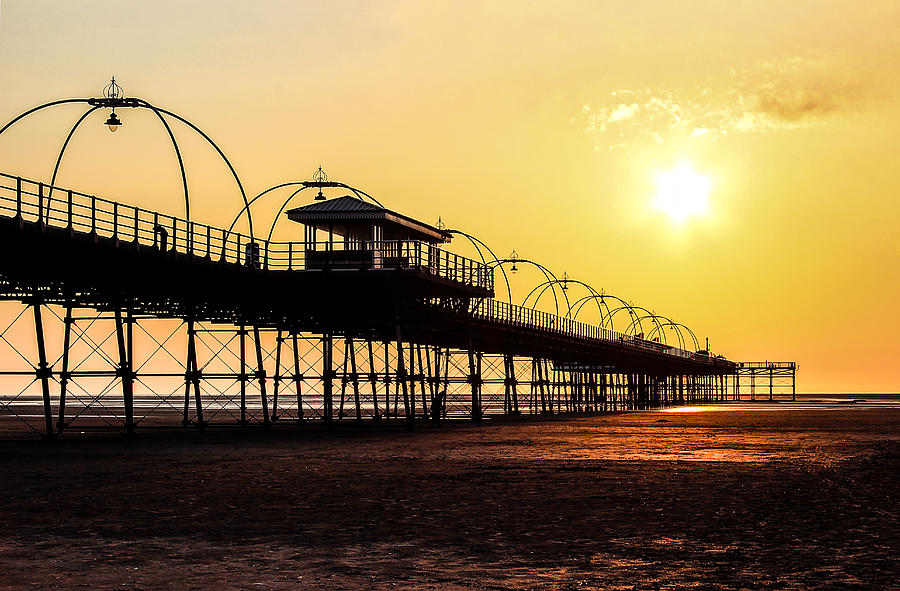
{"points": [[36, 202], [523, 317]]}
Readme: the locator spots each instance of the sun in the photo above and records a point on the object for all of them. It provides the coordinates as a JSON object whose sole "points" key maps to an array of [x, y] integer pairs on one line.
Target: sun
{"points": [[682, 193]]}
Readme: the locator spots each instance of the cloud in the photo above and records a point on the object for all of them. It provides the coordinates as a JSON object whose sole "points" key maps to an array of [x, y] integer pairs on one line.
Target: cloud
{"points": [[774, 95], [799, 104], [623, 112]]}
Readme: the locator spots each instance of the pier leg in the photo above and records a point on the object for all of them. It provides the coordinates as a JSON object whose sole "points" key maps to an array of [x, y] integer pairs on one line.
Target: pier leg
{"points": [[514, 385], [191, 377], [43, 370], [327, 384], [242, 376], [402, 382], [537, 371], [475, 383], [125, 372], [344, 379], [185, 415], [355, 378], [261, 376], [276, 379], [411, 373], [793, 383], [373, 379], [431, 364], [64, 374], [298, 378], [387, 380], [421, 374]]}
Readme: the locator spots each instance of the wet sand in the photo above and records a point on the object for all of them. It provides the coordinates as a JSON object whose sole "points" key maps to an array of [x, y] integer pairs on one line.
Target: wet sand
{"points": [[714, 499]]}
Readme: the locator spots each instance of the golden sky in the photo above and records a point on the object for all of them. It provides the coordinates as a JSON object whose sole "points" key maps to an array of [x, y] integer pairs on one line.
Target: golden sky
{"points": [[538, 126]]}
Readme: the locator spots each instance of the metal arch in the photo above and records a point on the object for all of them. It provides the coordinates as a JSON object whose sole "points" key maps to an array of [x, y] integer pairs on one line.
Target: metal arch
{"points": [[592, 291], [549, 284], [63, 149], [234, 173], [136, 102], [656, 320], [660, 328], [548, 274], [631, 312], [38, 108], [278, 215], [187, 200], [637, 320], [597, 298], [306, 185], [675, 327], [678, 326], [184, 183], [475, 242], [252, 201], [609, 313], [360, 191], [691, 332]]}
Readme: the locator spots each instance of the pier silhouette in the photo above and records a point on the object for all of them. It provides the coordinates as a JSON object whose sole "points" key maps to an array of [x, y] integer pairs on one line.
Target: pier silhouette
{"points": [[367, 317]]}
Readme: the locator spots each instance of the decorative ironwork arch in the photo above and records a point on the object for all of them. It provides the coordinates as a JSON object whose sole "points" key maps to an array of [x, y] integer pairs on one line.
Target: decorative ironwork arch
{"points": [[600, 299], [114, 98], [564, 282], [677, 326], [636, 318], [360, 194], [548, 274], [476, 242]]}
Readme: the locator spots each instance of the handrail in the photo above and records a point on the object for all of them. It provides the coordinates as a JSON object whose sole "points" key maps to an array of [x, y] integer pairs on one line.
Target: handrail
{"points": [[767, 364], [81, 213], [524, 317]]}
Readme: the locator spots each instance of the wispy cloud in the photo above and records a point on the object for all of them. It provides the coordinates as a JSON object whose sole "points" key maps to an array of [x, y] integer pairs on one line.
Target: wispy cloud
{"points": [[784, 94]]}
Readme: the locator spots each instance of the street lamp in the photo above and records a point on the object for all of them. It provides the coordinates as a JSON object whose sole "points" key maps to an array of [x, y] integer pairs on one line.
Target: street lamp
{"points": [[113, 122], [114, 94], [514, 256]]}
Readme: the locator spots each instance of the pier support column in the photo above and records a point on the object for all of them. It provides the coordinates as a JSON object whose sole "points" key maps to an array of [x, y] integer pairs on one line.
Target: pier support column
{"points": [[261, 376], [276, 378], [125, 347], [402, 383], [44, 371], [242, 375], [64, 374], [794, 384], [373, 379], [192, 376], [298, 377], [327, 377], [475, 382]]}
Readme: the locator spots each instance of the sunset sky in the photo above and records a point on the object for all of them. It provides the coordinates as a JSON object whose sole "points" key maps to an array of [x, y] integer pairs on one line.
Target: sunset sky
{"points": [[544, 127]]}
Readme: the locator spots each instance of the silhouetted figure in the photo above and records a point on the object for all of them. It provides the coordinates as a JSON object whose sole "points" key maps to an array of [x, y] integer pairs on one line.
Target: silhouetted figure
{"points": [[251, 254], [162, 237]]}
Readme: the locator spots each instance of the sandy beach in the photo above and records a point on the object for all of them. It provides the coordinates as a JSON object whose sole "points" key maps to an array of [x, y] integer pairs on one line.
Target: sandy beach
{"points": [[799, 496]]}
